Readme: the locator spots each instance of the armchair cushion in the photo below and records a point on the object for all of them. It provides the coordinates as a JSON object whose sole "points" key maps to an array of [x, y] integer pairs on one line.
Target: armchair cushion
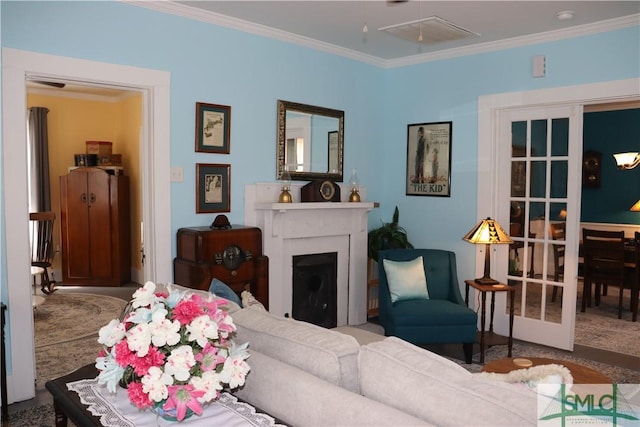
{"points": [[406, 279]]}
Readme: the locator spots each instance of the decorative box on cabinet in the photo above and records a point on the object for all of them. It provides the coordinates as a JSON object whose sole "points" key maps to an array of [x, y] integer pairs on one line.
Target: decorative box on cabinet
{"points": [[233, 256], [94, 218]]}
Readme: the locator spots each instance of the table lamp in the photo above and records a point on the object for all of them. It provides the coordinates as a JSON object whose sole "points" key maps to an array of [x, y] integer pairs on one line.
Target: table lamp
{"points": [[487, 232]]}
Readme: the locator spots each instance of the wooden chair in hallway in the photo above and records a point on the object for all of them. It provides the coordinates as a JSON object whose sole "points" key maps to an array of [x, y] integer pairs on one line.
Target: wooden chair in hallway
{"points": [[42, 247], [603, 264]]}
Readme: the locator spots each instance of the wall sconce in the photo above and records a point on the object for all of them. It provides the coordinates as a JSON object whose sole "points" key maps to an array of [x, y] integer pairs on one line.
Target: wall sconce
{"points": [[354, 183], [635, 207], [487, 232], [627, 160], [285, 180]]}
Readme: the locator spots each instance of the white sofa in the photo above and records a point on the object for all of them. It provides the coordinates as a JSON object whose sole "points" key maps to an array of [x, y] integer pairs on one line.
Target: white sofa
{"points": [[306, 375]]}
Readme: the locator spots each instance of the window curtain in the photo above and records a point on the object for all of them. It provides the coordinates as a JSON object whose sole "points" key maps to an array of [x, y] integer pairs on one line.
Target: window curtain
{"points": [[38, 152]]}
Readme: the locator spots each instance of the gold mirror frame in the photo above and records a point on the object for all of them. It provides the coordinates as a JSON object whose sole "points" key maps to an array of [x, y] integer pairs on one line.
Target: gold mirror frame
{"points": [[283, 108]]}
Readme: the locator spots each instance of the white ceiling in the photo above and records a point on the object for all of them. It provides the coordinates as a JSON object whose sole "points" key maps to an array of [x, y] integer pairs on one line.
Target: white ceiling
{"points": [[338, 25]]}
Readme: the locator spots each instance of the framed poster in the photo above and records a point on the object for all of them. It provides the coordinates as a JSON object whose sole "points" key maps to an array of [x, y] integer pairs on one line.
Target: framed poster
{"points": [[429, 159], [213, 188], [213, 128]]}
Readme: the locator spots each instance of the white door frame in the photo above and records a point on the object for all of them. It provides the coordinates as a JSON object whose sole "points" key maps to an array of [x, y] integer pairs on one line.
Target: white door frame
{"points": [[489, 108], [18, 65]]}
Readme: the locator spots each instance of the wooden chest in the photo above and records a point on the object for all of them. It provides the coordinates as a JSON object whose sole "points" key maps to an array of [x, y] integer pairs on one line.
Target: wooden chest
{"points": [[233, 256]]}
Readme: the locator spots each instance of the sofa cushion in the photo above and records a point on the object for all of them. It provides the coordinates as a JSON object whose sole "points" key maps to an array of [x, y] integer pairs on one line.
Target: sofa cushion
{"points": [[406, 279], [327, 354], [300, 399], [439, 388], [441, 312]]}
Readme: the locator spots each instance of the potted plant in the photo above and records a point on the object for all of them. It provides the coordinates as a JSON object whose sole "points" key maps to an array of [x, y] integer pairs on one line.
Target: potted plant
{"points": [[389, 236]]}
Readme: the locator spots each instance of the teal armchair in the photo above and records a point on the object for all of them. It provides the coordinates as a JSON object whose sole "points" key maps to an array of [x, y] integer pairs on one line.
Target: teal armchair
{"points": [[442, 318]]}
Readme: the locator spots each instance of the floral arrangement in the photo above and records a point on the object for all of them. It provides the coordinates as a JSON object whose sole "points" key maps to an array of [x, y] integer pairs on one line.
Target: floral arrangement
{"points": [[172, 351]]}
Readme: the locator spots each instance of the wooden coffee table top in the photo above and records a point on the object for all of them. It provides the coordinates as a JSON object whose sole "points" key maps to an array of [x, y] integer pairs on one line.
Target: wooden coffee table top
{"points": [[581, 374]]}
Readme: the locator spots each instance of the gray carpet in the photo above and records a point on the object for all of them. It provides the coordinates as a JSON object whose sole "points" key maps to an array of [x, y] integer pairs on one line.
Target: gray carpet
{"points": [[66, 330]]}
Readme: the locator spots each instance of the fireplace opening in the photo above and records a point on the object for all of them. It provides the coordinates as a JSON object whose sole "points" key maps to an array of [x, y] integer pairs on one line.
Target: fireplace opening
{"points": [[315, 289]]}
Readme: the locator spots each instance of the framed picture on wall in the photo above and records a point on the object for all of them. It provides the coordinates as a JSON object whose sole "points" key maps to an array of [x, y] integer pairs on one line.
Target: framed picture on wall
{"points": [[429, 159], [213, 188], [213, 128]]}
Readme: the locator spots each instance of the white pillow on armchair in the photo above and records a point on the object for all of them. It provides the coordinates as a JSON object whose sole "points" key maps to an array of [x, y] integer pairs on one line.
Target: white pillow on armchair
{"points": [[406, 279]]}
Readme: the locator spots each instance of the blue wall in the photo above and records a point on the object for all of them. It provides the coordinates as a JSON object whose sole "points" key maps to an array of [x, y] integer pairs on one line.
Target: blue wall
{"points": [[250, 73], [612, 132]]}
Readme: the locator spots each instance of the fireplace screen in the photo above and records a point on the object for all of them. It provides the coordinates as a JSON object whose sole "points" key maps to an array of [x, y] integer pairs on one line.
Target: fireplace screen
{"points": [[315, 288]]}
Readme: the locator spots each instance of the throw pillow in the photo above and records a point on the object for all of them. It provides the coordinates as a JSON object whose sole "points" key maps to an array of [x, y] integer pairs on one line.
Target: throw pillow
{"points": [[249, 301], [221, 289], [406, 279]]}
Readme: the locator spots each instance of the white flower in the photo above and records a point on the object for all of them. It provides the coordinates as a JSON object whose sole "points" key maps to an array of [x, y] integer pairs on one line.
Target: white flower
{"points": [[179, 362], [155, 384], [112, 333], [234, 371], [139, 339], [201, 329], [110, 371], [145, 295], [165, 332], [210, 383]]}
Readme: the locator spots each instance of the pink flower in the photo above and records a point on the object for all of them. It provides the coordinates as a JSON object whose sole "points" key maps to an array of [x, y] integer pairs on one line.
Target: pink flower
{"points": [[137, 396], [187, 310], [212, 306], [124, 356], [182, 397], [141, 365], [209, 358]]}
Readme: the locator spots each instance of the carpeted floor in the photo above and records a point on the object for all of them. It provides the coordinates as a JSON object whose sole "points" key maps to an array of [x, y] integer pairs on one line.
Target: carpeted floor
{"points": [[598, 327], [66, 330]]}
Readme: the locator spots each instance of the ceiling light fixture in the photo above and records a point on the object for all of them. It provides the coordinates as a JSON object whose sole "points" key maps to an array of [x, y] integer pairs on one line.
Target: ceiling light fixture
{"points": [[565, 15]]}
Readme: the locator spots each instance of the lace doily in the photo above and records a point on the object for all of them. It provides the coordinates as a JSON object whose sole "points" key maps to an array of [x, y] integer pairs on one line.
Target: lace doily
{"points": [[117, 411]]}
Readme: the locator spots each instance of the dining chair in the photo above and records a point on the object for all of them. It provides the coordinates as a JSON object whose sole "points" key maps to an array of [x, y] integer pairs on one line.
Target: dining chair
{"points": [[558, 232], [42, 247], [635, 286], [603, 264]]}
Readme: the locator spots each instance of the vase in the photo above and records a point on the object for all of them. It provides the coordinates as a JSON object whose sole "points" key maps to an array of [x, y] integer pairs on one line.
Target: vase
{"points": [[170, 414]]}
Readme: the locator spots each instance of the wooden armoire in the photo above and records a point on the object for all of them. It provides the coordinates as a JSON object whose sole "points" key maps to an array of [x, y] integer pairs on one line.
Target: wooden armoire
{"points": [[95, 234]]}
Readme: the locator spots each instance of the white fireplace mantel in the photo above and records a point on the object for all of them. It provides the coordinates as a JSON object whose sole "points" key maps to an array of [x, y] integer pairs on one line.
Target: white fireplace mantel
{"points": [[290, 229]]}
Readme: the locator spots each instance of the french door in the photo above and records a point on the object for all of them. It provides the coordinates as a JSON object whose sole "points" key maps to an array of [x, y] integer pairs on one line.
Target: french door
{"points": [[539, 167]]}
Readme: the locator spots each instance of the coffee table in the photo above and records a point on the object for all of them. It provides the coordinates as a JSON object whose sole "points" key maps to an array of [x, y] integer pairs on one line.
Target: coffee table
{"points": [[581, 374]]}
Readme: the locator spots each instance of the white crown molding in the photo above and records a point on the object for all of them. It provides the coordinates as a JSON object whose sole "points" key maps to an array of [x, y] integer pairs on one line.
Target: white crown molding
{"points": [[269, 32]]}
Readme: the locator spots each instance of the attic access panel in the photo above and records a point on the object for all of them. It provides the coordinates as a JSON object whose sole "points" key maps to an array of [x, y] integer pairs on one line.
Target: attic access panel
{"points": [[434, 30]]}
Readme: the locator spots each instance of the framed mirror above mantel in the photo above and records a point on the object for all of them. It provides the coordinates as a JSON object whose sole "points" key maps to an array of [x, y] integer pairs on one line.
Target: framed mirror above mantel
{"points": [[310, 142]]}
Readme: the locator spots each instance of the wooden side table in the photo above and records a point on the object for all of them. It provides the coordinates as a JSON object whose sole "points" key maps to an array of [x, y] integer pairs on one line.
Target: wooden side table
{"points": [[581, 374], [489, 339]]}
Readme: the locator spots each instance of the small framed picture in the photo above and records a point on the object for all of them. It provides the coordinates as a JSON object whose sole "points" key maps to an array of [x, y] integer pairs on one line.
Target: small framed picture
{"points": [[213, 188], [429, 159], [213, 128]]}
